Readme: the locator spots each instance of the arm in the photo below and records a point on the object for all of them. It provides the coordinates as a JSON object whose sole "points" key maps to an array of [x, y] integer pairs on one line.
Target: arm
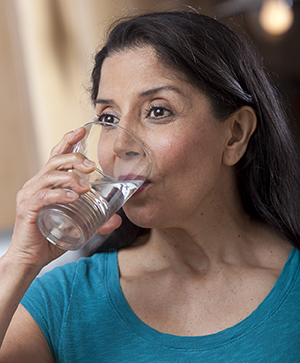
{"points": [[24, 340], [14, 281], [29, 251]]}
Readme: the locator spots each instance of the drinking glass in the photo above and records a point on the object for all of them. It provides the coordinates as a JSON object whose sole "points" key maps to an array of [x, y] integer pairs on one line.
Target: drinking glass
{"points": [[123, 164]]}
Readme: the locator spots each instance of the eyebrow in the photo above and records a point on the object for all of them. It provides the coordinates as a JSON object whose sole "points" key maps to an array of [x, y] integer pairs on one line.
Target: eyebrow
{"points": [[103, 101], [152, 91], [146, 93]]}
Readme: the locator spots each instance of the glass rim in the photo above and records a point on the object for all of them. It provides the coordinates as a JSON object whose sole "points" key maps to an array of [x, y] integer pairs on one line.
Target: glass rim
{"points": [[109, 124]]}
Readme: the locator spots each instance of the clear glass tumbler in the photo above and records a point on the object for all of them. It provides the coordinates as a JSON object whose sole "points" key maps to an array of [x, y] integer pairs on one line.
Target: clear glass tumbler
{"points": [[123, 164]]}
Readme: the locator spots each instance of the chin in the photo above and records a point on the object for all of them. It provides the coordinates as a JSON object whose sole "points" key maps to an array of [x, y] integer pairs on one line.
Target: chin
{"points": [[140, 216]]}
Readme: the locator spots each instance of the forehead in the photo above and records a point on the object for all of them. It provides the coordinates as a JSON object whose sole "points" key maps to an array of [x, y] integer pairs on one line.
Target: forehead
{"points": [[136, 66], [137, 74]]}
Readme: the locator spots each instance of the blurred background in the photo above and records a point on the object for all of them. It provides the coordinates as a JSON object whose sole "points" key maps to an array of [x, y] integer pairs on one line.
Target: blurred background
{"points": [[47, 49]]}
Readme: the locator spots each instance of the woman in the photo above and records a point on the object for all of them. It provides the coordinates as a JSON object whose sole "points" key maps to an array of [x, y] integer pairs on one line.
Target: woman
{"points": [[209, 272]]}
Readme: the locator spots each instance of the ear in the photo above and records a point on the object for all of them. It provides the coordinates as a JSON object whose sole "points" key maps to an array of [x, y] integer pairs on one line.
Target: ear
{"points": [[241, 126]]}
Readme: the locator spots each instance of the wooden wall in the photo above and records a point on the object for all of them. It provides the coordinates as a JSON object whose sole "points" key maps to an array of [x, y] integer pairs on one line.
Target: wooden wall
{"points": [[17, 144], [46, 57], [47, 48]]}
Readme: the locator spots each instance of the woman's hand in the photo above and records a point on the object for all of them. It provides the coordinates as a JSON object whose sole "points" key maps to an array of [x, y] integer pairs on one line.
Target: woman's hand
{"points": [[52, 184], [113, 223], [29, 251]]}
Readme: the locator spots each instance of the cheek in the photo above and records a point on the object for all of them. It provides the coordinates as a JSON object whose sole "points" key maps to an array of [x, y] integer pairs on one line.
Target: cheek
{"points": [[179, 153], [188, 164], [106, 159]]}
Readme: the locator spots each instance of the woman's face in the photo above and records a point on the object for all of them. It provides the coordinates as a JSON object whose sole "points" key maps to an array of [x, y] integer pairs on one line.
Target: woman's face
{"points": [[174, 121]]}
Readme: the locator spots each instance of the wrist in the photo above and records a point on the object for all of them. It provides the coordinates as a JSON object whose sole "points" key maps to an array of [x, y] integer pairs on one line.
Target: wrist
{"points": [[11, 263], [15, 279]]}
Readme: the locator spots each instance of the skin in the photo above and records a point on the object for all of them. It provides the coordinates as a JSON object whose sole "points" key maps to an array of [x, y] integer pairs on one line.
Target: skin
{"points": [[206, 265], [29, 251]]}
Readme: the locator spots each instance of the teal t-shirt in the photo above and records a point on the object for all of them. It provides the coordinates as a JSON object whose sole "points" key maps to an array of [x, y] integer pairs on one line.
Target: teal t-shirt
{"points": [[84, 316]]}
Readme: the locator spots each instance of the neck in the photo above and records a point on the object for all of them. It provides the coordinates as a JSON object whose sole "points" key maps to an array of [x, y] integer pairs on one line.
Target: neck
{"points": [[204, 246], [219, 232]]}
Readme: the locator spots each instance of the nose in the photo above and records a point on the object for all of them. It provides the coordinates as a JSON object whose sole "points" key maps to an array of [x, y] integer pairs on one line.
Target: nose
{"points": [[126, 146]]}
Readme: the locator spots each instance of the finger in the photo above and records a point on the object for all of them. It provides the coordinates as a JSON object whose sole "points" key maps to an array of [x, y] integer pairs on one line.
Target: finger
{"points": [[113, 223], [70, 161], [43, 198], [59, 179], [68, 141], [63, 163]]}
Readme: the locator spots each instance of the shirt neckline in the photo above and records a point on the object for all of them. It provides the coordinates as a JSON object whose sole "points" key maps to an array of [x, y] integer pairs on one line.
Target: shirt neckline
{"points": [[269, 305]]}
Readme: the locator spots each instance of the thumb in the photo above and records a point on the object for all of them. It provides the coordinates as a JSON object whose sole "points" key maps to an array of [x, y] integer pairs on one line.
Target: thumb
{"points": [[113, 223]]}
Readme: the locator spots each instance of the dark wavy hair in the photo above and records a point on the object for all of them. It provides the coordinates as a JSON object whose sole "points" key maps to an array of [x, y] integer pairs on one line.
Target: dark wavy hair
{"points": [[224, 67]]}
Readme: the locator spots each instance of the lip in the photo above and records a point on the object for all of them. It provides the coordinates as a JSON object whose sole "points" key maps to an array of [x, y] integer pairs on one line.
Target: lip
{"points": [[141, 188], [136, 177], [131, 177]]}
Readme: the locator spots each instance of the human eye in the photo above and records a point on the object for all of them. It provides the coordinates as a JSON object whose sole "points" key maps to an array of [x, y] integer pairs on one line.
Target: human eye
{"points": [[108, 117], [158, 113]]}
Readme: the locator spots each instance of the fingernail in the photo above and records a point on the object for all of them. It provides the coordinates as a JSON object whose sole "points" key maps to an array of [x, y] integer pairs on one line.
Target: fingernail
{"points": [[84, 183], [71, 195], [75, 131], [88, 163]]}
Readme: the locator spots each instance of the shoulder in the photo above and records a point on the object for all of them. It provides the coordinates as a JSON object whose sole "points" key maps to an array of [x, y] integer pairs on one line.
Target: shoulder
{"points": [[55, 288], [293, 268], [54, 298]]}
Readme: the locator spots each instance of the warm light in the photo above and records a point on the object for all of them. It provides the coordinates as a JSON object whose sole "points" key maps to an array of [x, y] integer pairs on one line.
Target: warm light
{"points": [[276, 17]]}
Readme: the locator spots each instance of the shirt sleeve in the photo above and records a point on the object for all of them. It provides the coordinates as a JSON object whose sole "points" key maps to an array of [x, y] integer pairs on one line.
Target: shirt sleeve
{"points": [[47, 301]]}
